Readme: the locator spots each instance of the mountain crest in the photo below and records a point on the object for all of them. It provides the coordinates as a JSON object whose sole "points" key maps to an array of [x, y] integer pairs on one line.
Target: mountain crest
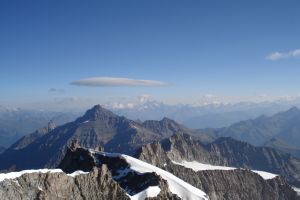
{"points": [[96, 113]]}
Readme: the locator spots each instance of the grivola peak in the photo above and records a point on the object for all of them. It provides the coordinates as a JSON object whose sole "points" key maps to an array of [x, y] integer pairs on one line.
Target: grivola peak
{"points": [[97, 112]]}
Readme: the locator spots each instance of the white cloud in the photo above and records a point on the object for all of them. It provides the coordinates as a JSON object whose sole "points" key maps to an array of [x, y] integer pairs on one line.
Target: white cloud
{"points": [[283, 55], [117, 81]]}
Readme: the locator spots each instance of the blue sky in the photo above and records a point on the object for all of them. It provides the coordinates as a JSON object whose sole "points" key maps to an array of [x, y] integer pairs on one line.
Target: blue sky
{"points": [[195, 47]]}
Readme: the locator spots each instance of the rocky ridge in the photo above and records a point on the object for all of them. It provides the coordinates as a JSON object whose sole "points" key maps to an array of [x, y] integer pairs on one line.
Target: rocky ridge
{"points": [[224, 152], [236, 184]]}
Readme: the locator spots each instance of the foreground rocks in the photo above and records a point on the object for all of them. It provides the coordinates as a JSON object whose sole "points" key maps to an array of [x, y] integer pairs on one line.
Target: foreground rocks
{"points": [[239, 184], [235, 184], [102, 182], [98, 184]]}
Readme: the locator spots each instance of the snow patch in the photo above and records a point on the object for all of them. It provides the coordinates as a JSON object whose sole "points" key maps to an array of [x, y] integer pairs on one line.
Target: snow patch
{"points": [[14, 175], [196, 166], [265, 175], [297, 190], [76, 173], [177, 186], [151, 191]]}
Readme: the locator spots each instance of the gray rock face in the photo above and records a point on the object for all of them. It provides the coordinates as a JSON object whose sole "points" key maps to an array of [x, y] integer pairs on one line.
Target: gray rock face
{"points": [[224, 151], [98, 184], [235, 184], [241, 154]]}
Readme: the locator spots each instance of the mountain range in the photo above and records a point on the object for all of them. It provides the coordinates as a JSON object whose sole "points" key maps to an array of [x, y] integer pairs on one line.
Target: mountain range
{"points": [[17, 122], [280, 131], [97, 127], [209, 112], [165, 144]]}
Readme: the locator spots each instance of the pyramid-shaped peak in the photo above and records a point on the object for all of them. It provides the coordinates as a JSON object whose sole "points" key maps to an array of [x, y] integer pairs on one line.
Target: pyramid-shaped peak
{"points": [[97, 112]]}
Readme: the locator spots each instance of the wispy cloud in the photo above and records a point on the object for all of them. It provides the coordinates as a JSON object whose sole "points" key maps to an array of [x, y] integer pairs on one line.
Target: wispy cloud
{"points": [[117, 81], [55, 90], [283, 55]]}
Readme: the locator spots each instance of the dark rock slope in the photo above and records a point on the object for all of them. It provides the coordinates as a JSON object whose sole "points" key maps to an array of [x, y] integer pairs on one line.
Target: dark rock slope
{"points": [[28, 139], [98, 127]]}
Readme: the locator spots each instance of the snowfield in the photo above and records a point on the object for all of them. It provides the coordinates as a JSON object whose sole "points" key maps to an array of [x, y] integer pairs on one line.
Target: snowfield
{"points": [[177, 186], [196, 166]]}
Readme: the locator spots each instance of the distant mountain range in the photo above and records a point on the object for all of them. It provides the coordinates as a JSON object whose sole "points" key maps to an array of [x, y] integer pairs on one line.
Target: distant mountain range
{"points": [[280, 131], [15, 123], [207, 114]]}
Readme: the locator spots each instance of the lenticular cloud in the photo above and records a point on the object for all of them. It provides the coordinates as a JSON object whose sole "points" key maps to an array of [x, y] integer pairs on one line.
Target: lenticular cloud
{"points": [[117, 81]]}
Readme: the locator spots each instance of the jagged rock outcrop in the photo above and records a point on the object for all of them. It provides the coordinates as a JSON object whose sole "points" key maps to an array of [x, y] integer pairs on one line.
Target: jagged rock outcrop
{"points": [[225, 152], [218, 184], [98, 184], [131, 181], [178, 147], [242, 154], [235, 184], [108, 177]]}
